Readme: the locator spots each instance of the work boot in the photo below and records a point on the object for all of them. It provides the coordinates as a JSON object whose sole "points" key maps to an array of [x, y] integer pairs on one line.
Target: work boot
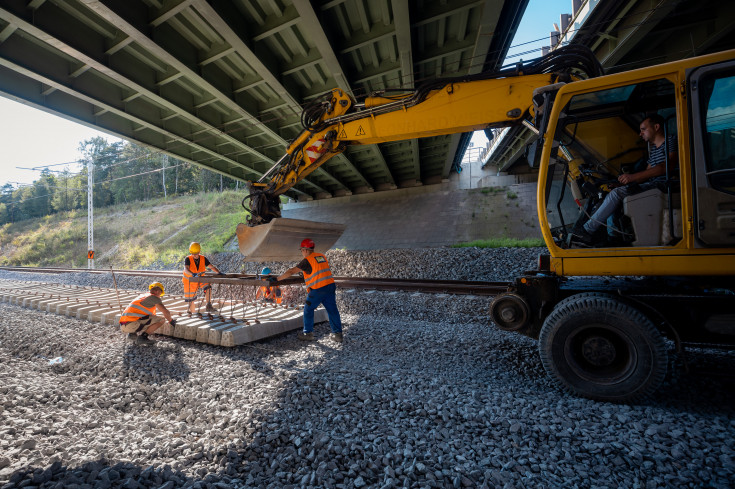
{"points": [[582, 236], [336, 337], [210, 308], [143, 340], [306, 336]]}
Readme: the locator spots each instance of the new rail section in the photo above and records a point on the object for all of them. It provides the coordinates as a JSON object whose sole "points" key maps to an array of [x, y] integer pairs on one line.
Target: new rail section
{"points": [[407, 285]]}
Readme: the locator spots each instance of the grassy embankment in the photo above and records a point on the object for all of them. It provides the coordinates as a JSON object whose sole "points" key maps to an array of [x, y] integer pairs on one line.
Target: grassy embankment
{"points": [[126, 236]]}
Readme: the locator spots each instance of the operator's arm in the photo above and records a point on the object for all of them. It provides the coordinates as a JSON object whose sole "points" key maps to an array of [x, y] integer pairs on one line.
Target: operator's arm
{"points": [[288, 273], [651, 171], [641, 176], [210, 265], [166, 313]]}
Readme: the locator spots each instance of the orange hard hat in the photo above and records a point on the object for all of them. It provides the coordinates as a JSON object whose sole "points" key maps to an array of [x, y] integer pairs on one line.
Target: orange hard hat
{"points": [[307, 243]]}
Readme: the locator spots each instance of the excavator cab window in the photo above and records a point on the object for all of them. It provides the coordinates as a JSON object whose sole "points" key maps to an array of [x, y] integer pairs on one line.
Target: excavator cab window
{"points": [[599, 139]]}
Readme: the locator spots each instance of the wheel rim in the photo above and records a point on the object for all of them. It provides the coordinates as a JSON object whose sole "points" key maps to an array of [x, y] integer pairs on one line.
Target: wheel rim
{"points": [[509, 312], [601, 354]]}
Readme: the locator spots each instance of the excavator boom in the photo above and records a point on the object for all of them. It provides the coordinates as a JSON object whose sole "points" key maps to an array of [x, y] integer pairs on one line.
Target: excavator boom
{"points": [[438, 107]]}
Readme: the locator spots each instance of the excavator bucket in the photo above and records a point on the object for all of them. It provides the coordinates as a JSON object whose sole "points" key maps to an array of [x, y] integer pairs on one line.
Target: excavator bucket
{"points": [[279, 240]]}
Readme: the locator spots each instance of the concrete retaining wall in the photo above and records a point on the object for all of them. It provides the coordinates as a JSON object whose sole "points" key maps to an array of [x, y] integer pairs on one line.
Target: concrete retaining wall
{"points": [[427, 216]]}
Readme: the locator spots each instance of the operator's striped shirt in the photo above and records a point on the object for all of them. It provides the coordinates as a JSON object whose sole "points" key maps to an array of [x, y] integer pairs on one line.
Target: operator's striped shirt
{"points": [[657, 156]]}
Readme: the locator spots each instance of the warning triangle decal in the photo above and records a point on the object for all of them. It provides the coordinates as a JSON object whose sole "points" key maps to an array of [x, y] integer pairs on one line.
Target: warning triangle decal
{"points": [[360, 131], [343, 134]]}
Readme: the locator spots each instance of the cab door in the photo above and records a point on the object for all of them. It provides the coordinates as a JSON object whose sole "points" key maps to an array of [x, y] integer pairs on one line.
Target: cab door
{"points": [[712, 99]]}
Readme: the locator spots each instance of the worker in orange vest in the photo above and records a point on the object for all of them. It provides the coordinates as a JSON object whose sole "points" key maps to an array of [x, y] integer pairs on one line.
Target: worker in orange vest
{"points": [[194, 266], [268, 293], [321, 290], [139, 319]]}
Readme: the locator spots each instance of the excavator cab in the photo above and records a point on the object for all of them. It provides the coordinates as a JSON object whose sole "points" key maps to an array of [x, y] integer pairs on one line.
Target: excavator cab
{"points": [[598, 140]]}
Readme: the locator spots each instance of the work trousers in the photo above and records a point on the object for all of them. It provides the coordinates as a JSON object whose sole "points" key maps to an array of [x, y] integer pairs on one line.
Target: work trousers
{"points": [[324, 295], [614, 200], [190, 289], [141, 325]]}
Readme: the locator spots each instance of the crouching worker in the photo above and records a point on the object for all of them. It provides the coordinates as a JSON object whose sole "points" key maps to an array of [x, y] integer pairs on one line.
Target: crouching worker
{"points": [[194, 266], [139, 319], [270, 294], [321, 290]]}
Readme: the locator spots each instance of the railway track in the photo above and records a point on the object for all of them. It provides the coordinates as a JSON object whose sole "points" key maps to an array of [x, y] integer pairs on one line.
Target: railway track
{"points": [[393, 284], [239, 317]]}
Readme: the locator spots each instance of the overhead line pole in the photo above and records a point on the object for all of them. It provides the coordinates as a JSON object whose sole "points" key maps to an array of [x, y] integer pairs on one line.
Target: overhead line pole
{"points": [[90, 215]]}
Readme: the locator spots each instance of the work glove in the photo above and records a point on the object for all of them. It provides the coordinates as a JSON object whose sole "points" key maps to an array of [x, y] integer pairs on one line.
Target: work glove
{"points": [[272, 279], [172, 323]]}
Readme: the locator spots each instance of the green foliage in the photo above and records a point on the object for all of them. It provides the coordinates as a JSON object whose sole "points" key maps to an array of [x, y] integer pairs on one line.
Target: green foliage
{"points": [[503, 243], [36, 245], [124, 173], [492, 190], [126, 235], [511, 195]]}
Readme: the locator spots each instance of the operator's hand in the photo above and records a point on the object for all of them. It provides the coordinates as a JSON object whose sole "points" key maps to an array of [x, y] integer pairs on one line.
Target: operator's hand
{"points": [[272, 279], [626, 178], [172, 323]]}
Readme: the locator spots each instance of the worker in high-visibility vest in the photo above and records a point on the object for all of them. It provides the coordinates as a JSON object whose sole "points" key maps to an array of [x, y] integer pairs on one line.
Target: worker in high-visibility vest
{"points": [[321, 290], [268, 293], [194, 266], [139, 319]]}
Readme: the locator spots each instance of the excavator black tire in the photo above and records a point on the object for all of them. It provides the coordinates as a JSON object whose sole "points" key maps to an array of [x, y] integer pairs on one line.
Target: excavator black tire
{"points": [[602, 348]]}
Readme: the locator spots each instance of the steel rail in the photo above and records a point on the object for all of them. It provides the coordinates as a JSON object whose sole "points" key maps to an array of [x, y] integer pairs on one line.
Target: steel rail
{"points": [[460, 287]]}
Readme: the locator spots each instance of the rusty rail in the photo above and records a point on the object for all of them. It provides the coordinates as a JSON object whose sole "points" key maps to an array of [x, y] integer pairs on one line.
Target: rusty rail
{"points": [[407, 285]]}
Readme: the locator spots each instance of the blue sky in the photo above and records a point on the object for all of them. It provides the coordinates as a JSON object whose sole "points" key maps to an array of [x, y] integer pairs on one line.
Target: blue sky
{"points": [[533, 34], [30, 137], [536, 25]]}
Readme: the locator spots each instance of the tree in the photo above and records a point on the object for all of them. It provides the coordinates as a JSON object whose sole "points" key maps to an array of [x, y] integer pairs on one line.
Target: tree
{"points": [[60, 200], [123, 172], [4, 214], [6, 197], [104, 157]]}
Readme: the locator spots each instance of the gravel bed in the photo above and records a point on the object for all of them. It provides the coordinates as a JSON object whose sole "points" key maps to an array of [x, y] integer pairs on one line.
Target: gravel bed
{"points": [[422, 393]]}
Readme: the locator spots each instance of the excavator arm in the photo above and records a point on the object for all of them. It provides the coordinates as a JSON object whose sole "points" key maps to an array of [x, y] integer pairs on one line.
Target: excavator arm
{"points": [[439, 107]]}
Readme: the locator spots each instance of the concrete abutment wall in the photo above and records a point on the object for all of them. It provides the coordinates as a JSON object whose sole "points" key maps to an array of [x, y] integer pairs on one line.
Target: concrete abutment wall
{"points": [[426, 216]]}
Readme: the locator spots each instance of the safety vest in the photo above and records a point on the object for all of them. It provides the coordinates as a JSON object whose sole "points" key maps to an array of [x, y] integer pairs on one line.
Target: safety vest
{"points": [[270, 294], [320, 274], [195, 273], [137, 310]]}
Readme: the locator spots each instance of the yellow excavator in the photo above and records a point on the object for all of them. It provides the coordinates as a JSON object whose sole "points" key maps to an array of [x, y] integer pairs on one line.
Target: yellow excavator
{"points": [[659, 275]]}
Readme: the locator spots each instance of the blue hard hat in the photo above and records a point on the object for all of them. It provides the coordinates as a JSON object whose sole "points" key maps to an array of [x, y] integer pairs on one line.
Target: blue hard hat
{"points": [[265, 271]]}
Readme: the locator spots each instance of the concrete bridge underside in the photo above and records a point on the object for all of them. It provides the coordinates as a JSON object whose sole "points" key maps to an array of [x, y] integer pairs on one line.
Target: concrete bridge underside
{"points": [[222, 83]]}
